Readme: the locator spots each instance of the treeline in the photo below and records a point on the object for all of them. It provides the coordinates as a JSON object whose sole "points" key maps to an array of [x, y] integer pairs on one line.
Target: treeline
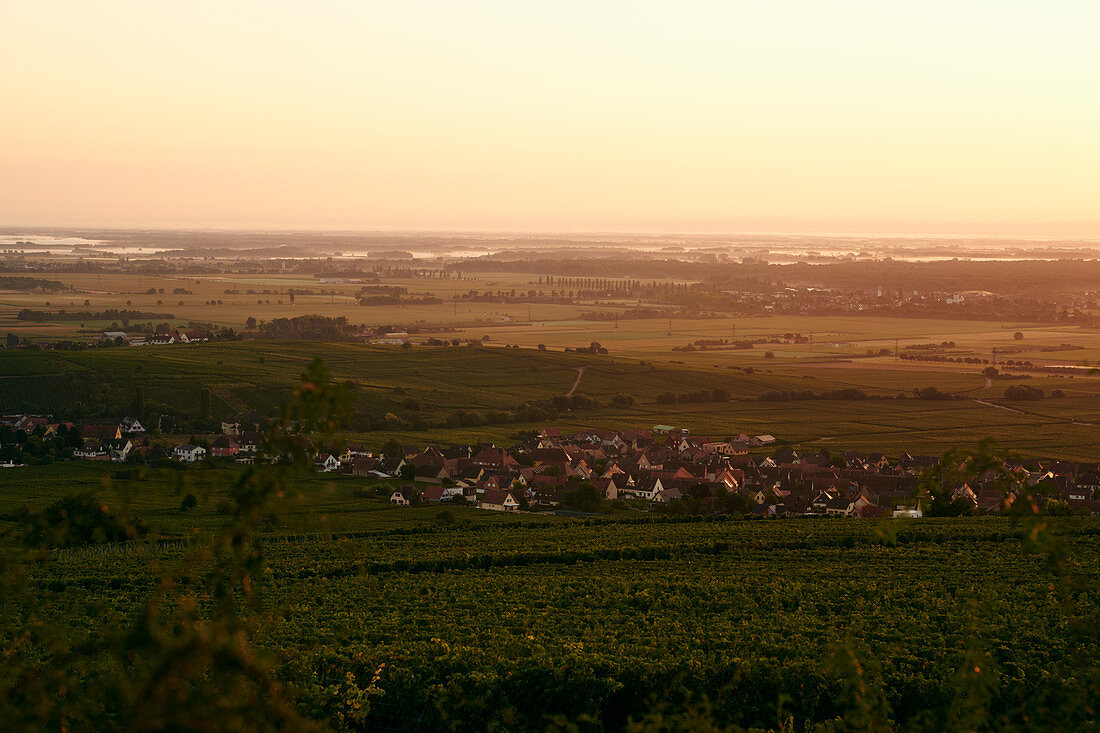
{"points": [[593, 348], [943, 358], [1023, 392], [719, 345], [832, 394], [112, 314], [308, 328], [705, 395], [852, 394], [399, 300], [392, 295], [21, 282]]}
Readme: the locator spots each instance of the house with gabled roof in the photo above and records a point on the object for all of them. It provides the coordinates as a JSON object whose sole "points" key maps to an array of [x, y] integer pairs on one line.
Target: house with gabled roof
{"points": [[430, 474], [130, 425], [92, 449], [500, 501], [326, 462], [249, 441], [495, 458], [224, 446], [666, 495], [188, 453], [392, 466], [118, 449], [440, 493]]}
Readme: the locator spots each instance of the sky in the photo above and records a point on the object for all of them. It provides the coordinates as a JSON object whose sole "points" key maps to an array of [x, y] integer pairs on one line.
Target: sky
{"points": [[688, 116]]}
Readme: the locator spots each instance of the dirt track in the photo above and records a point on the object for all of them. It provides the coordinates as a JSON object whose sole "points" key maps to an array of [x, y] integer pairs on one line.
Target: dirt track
{"points": [[576, 382]]}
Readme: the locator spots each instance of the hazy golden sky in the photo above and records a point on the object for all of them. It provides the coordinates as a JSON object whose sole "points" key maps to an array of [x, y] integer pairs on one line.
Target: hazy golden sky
{"points": [[830, 115]]}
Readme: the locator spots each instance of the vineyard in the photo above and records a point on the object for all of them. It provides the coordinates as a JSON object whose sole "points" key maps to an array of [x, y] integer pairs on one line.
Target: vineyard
{"points": [[42, 392], [757, 624]]}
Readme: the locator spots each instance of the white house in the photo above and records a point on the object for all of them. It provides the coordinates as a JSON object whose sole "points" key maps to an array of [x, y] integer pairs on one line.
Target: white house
{"points": [[649, 491], [188, 453], [326, 462], [91, 449], [119, 449]]}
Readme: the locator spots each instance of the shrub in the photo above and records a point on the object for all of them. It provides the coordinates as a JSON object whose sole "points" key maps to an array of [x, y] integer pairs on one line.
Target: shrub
{"points": [[623, 400], [77, 520]]}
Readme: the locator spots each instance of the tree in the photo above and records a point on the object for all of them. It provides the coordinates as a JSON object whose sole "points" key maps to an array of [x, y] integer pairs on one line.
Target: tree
{"points": [[984, 465], [250, 323], [393, 449], [699, 491], [189, 502], [586, 498], [13, 340], [139, 401], [1019, 336], [1023, 392]]}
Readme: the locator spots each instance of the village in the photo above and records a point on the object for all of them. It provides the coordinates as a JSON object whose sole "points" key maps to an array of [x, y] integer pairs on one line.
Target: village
{"points": [[663, 469]]}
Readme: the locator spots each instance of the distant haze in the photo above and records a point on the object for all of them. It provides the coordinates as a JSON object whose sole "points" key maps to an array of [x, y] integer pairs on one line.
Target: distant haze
{"points": [[937, 117]]}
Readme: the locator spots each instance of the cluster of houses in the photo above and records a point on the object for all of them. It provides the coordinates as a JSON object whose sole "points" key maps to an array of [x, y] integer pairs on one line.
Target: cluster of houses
{"points": [[663, 465], [100, 440], [178, 336], [645, 467]]}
